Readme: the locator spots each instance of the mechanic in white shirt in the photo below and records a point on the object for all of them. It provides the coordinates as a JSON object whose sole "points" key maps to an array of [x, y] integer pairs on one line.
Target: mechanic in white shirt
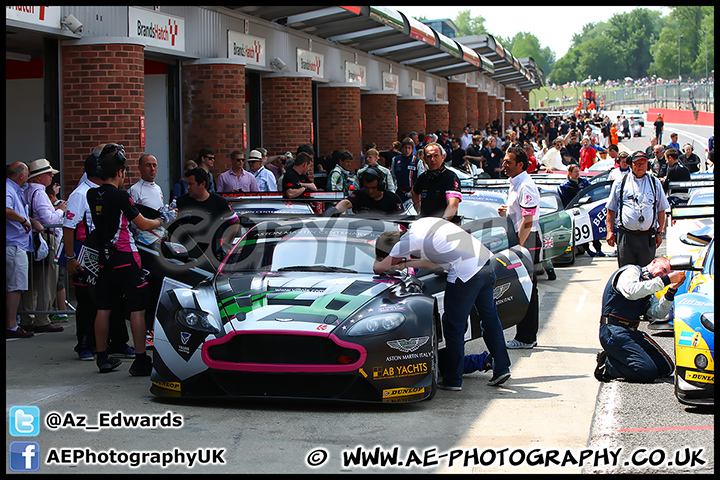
{"points": [[471, 279], [523, 208], [146, 191]]}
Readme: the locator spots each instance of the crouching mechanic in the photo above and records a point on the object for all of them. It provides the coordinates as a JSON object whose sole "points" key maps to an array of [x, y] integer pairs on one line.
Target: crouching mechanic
{"points": [[112, 211], [435, 242], [372, 197], [629, 295]]}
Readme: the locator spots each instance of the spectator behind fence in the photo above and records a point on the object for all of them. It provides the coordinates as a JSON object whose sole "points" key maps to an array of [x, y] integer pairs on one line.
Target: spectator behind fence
{"points": [[44, 272], [18, 242]]}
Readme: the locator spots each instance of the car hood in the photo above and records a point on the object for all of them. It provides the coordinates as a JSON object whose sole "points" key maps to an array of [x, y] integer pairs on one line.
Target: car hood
{"points": [[297, 301]]}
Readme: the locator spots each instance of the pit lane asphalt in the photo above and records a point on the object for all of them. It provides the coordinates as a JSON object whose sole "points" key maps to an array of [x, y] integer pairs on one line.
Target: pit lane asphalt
{"points": [[552, 402], [548, 403]]}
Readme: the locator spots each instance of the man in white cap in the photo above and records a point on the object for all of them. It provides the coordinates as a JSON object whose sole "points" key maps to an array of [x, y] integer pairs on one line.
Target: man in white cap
{"points": [[45, 272], [265, 179]]}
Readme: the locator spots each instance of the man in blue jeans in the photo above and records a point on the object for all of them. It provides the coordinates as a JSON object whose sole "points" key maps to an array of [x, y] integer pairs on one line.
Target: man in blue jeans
{"points": [[434, 242]]}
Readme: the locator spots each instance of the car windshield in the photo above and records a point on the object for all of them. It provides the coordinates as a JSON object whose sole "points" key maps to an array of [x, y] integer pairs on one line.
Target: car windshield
{"points": [[308, 247], [476, 209]]}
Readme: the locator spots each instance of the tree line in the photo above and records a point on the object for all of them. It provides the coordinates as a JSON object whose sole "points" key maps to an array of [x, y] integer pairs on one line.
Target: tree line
{"points": [[638, 44]]}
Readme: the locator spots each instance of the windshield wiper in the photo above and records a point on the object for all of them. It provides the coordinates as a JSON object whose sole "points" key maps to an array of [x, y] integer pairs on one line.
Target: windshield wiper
{"points": [[316, 268]]}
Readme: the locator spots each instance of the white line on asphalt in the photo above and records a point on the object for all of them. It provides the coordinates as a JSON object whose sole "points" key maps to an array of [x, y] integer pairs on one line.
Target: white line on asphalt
{"points": [[581, 301]]}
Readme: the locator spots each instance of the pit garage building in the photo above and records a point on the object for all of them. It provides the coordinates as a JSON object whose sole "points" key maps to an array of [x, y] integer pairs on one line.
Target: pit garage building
{"points": [[170, 80]]}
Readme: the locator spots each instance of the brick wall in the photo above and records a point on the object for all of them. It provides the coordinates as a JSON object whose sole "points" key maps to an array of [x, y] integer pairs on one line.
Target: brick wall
{"points": [[437, 116], [103, 98], [379, 119], [286, 113], [213, 98], [411, 116], [472, 107], [483, 109], [492, 108], [457, 94], [339, 121]]}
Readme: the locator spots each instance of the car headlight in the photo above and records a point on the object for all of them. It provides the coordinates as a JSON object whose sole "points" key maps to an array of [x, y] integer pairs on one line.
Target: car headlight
{"points": [[375, 324], [197, 320], [701, 361]]}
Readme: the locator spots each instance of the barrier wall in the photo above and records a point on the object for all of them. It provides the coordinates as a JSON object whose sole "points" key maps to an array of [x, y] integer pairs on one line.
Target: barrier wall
{"points": [[685, 117]]}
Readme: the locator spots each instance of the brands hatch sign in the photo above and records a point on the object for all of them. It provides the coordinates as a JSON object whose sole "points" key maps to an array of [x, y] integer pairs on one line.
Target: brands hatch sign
{"points": [[156, 29]]}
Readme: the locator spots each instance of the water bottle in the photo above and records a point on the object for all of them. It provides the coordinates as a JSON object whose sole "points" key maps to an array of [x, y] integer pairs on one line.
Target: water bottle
{"points": [[173, 204]]}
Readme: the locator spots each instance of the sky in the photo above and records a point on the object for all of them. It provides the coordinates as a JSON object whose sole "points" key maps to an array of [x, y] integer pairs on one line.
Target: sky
{"points": [[554, 26]]}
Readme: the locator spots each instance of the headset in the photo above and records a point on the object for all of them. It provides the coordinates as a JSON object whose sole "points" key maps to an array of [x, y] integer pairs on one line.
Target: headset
{"points": [[382, 183]]}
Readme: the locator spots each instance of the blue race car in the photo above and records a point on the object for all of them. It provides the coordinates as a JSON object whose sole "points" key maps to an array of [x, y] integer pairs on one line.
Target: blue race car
{"points": [[694, 326]]}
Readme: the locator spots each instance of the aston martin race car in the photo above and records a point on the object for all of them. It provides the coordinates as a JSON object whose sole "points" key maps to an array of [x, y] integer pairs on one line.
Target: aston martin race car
{"points": [[694, 326], [295, 311]]}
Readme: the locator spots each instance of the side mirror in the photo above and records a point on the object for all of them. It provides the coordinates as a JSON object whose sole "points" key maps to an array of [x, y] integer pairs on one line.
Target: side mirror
{"points": [[683, 262]]}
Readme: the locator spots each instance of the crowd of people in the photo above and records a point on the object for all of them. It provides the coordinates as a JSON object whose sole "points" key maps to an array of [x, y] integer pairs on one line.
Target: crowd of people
{"points": [[101, 214]]}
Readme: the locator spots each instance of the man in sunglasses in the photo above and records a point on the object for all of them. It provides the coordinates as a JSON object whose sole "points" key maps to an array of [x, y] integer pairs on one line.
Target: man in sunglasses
{"points": [[236, 179], [206, 161]]}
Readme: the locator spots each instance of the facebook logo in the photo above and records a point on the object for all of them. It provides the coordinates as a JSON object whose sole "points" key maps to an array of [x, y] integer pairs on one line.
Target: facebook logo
{"points": [[24, 421], [24, 456]]}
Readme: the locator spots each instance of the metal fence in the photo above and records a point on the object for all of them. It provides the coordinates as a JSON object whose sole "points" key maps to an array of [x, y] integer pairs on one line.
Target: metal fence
{"points": [[38, 284], [699, 97]]}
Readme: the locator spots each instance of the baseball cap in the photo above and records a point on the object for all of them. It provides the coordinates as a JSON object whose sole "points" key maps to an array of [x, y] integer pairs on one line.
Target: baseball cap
{"points": [[639, 155]]}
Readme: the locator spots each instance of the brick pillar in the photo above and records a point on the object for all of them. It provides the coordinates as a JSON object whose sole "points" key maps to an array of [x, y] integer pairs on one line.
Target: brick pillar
{"points": [[286, 112], [213, 97], [457, 96], [437, 116], [472, 107], [492, 108], [103, 98], [379, 119], [339, 120], [499, 109], [483, 109], [411, 116]]}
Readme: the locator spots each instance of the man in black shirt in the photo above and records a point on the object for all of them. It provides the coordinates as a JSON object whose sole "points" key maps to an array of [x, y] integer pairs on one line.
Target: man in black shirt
{"points": [[120, 272], [372, 197], [437, 191], [296, 181], [457, 155], [676, 172], [571, 150], [204, 219]]}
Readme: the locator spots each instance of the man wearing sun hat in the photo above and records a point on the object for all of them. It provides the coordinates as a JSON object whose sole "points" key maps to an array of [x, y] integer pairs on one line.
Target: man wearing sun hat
{"points": [[638, 202], [265, 179], [44, 273]]}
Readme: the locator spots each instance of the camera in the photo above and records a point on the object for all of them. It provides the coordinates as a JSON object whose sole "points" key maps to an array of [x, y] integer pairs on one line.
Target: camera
{"points": [[72, 23]]}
